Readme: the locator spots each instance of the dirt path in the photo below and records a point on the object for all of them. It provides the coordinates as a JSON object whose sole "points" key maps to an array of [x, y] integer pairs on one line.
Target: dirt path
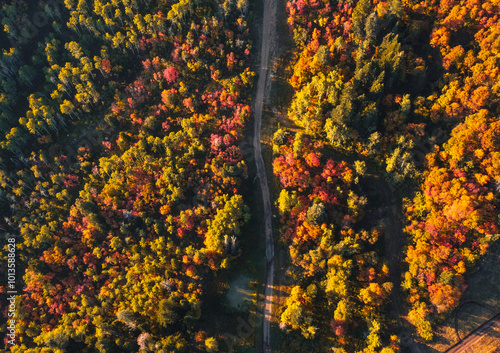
{"points": [[262, 93]]}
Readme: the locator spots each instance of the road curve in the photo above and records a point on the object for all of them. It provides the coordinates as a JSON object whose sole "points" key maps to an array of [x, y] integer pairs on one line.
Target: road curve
{"points": [[262, 84]]}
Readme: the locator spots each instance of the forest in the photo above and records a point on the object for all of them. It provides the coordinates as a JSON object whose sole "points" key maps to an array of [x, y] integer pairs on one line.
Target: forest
{"points": [[125, 190], [409, 91], [121, 171]]}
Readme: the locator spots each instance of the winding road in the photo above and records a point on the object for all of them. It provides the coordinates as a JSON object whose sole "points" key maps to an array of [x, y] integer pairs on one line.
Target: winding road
{"points": [[262, 90]]}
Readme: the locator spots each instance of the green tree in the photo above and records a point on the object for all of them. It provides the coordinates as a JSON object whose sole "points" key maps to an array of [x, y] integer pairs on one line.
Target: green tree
{"points": [[359, 15], [372, 27]]}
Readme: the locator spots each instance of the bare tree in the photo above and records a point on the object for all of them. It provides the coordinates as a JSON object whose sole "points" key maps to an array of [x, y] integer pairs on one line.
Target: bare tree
{"points": [[233, 244]]}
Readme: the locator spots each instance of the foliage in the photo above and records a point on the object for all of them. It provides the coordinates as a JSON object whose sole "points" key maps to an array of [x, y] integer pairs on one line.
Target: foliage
{"points": [[349, 280], [123, 174], [414, 87]]}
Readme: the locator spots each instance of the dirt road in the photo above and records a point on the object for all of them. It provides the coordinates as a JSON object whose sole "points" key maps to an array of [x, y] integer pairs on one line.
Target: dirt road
{"points": [[262, 91]]}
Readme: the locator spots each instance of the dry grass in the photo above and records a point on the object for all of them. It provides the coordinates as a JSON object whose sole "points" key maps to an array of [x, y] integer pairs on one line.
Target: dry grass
{"points": [[483, 288]]}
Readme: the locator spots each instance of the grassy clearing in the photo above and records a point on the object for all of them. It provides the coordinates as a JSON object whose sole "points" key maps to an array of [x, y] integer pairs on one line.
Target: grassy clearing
{"points": [[281, 92], [239, 294], [483, 288], [488, 343]]}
